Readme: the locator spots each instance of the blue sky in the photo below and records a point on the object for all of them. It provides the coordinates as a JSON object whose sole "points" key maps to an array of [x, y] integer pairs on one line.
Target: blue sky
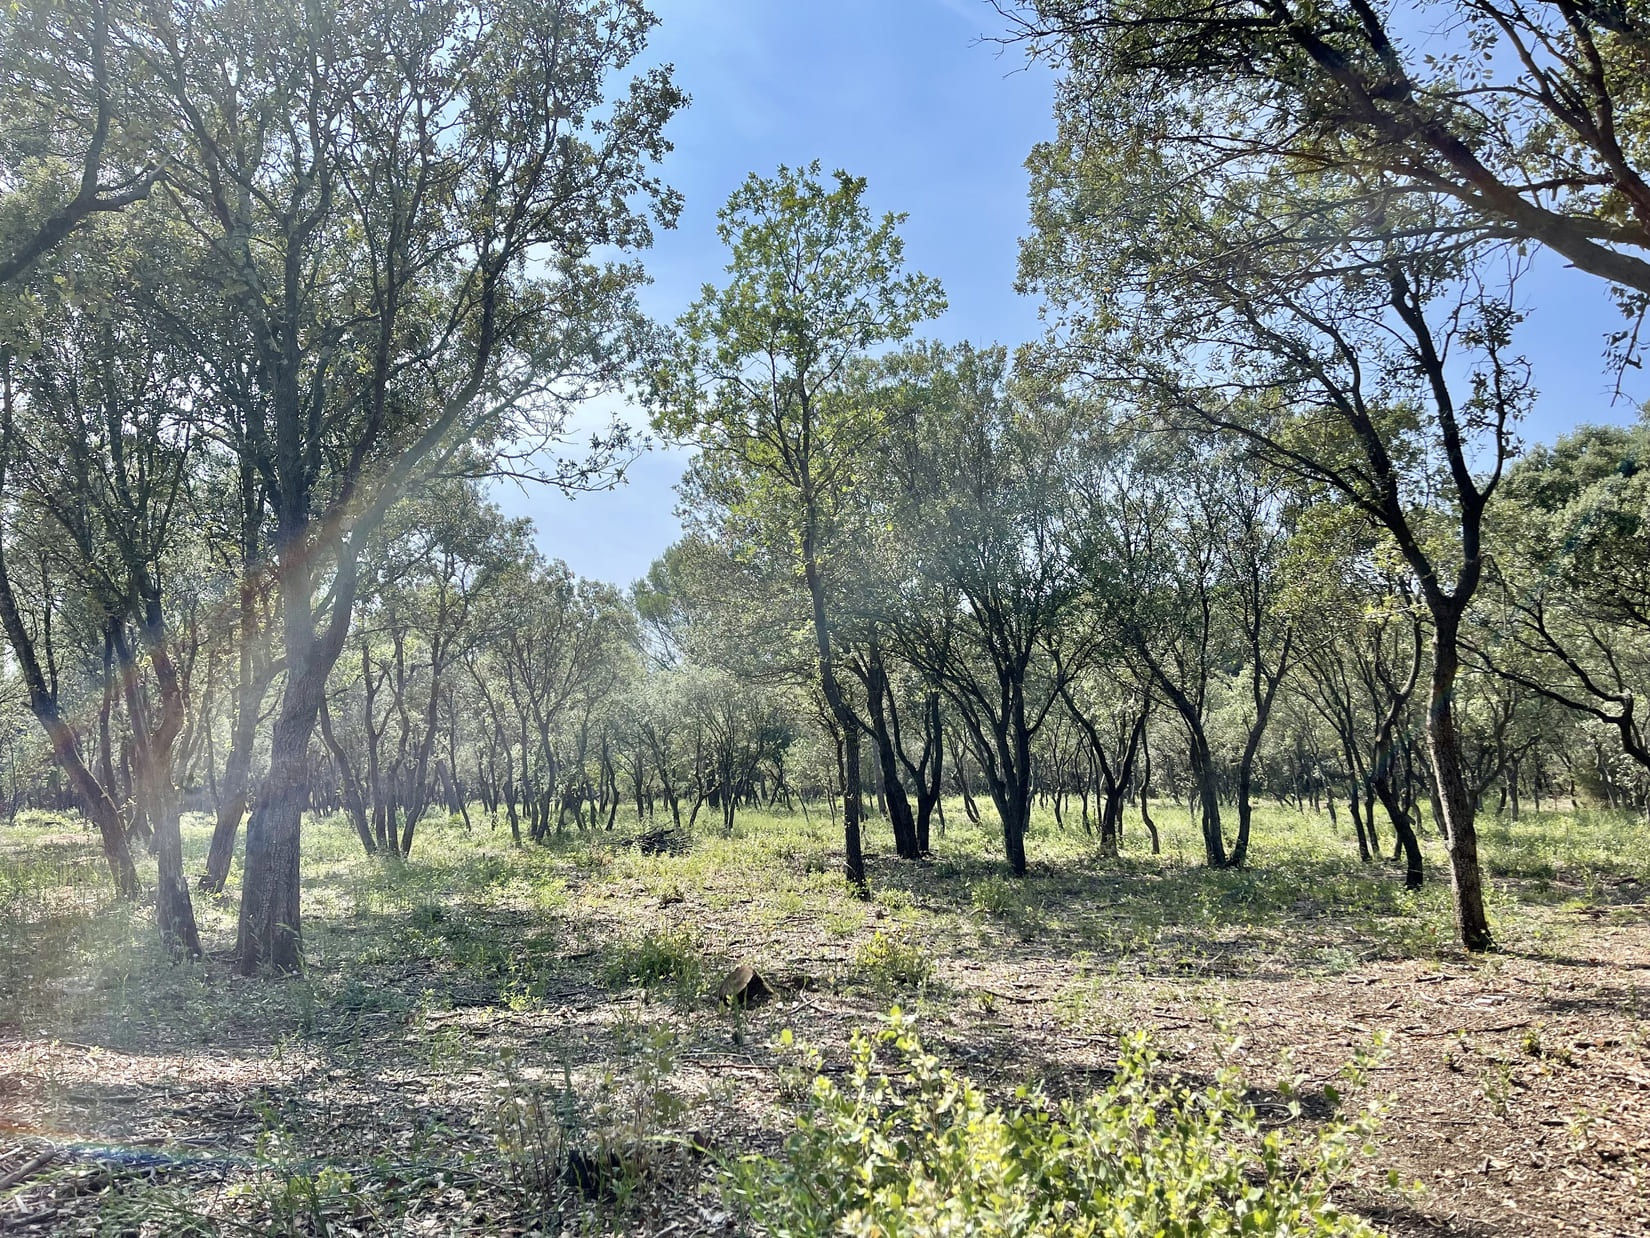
{"points": [[904, 93]]}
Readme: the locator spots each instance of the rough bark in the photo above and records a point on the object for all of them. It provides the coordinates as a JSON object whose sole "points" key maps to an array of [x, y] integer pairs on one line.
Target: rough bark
{"points": [[269, 930]]}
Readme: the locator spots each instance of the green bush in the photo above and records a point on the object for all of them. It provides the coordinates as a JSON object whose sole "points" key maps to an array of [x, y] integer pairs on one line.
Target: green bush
{"points": [[893, 962], [908, 1148], [667, 958], [994, 895]]}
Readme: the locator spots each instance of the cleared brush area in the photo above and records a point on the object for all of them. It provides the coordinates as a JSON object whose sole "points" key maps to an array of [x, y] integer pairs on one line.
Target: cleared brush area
{"points": [[491, 1040]]}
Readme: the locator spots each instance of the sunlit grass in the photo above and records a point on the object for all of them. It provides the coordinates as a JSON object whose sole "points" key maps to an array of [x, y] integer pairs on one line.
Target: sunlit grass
{"points": [[469, 904]]}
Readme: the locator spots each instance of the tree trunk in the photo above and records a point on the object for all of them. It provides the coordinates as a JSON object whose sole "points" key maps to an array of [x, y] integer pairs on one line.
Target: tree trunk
{"points": [[1408, 843], [930, 772], [893, 790], [234, 795], [251, 682], [153, 746], [269, 934], [1454, 796], [853, 854], [1145, 794], [1203, 767], [1011, 794], [355, 806], [1208, 790], [1009, 778], [94, 798]]}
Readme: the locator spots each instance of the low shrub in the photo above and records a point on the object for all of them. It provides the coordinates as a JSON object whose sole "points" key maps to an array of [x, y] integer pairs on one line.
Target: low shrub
{"points": [[666, 958], [994, 895], [891, 961], [908, 1148]]}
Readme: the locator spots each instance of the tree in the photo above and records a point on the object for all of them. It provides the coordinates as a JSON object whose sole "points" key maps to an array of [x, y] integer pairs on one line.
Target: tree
{"points": [[1111, 709], [1528, 119], [95, 454], [437, 561], [34, 653], [756, 382], [73, 146], [1255, 563], [550, 648], [1570, 615], [403, 205], [982, 488], [1365, 640], [1338, 360], [1160, 584]]}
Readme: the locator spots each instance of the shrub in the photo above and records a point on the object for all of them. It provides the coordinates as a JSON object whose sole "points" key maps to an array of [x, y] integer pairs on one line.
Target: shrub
{"points": [[667, 958], [994, 896], [558, 1146], [893, 962], [908, 1148]]}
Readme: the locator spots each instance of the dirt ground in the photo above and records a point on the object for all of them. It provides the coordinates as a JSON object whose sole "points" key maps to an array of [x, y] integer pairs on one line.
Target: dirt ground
{"points": [[385, 1090]]}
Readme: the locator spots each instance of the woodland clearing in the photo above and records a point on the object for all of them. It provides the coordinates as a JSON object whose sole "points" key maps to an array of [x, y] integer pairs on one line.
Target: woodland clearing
{"points": [[382, 1090]]}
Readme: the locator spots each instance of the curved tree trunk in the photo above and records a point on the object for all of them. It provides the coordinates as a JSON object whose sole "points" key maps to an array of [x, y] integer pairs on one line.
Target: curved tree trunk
{"points": [[355, 805], [174, 913], [899, 804], [94, 798]]}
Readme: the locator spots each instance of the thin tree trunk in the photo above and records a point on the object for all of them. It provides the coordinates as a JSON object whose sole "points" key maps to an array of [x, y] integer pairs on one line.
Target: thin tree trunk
{"points": [[1454, 796], [174, 913]]}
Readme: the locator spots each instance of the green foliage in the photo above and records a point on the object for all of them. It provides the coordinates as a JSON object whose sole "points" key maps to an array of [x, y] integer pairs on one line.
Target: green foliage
{"points": [[534, 1124], [290, 1198], [893, 961], [1568, 621], [910, 1148], [994, 895], [667, 958], [758, 378]]}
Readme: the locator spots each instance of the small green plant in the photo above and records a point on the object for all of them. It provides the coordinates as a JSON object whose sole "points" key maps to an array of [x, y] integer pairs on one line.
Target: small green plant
{"points": [[1579, 1130], [1497, 1087], [635, 1109], [534, 1126], [670, 958], [893, 962], [909, 1148], [894, 899], [994, 895], [844, 922], [604, 1146], [593, 860]]}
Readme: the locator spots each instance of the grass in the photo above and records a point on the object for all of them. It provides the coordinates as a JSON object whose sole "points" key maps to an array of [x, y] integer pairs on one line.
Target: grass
{"points": [[456, 1008]]}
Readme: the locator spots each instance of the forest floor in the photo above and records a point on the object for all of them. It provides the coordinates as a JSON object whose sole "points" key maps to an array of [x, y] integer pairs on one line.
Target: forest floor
{"points": [[469, 1019]]}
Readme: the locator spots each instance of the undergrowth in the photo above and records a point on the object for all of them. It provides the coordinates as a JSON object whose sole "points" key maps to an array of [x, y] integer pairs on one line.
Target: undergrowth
{"points": [[908, 1147]]}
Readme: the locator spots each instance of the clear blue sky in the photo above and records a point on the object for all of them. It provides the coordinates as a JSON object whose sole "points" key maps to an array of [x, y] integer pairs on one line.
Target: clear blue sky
{"points": [[902, 92]]}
